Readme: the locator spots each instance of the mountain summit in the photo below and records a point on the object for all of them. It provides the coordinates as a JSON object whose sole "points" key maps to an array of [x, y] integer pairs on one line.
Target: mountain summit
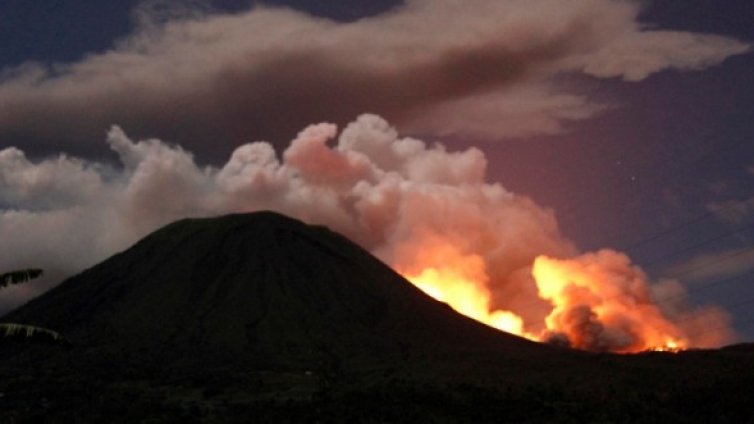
{"points": [[258, 287]]}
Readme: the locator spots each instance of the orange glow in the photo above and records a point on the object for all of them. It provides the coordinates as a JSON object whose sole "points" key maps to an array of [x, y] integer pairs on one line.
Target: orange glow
{"points": [[671, 346], [603, 294], [460, 281], [598, 301], [466, 297]]}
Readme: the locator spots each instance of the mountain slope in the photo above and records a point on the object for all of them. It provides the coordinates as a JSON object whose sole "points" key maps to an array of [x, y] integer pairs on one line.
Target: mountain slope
{"points": [[261, 285]]}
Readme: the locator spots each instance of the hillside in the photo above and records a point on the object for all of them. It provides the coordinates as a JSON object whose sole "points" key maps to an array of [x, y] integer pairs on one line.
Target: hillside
{"points": [[219, 318]]}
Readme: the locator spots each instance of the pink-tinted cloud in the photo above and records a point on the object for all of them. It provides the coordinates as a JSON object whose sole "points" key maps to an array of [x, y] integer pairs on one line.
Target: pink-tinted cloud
{"points": [[398, 197]]}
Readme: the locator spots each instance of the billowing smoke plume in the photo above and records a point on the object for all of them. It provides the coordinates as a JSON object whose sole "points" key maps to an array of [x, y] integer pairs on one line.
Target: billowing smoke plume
{"points": [[480, 67], [424, 210], [602, 302]]}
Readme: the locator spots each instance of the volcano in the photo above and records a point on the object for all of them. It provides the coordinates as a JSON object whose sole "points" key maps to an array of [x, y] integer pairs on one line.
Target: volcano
{"points": [[214, 318], [254, 286]]}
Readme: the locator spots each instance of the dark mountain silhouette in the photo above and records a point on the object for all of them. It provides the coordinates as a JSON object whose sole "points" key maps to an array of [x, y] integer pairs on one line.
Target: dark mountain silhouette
{"points": [[259, 285], [217, 319]]}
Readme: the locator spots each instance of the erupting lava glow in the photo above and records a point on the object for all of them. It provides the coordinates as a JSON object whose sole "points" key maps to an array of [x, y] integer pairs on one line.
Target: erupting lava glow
{"points": [[599, 301], [466, 297], [460, 280]]}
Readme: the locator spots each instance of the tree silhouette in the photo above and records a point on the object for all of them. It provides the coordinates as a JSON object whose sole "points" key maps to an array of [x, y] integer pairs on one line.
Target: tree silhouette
{"points": [[13, 331], [20, 276]]}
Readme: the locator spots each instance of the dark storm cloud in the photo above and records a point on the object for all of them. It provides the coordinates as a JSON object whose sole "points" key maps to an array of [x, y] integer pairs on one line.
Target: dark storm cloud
{"points": [[215, 81]]}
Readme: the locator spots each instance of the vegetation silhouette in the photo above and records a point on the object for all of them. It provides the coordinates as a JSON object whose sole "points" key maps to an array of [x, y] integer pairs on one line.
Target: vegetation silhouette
{"points": [[16, 332], [20, 276]]}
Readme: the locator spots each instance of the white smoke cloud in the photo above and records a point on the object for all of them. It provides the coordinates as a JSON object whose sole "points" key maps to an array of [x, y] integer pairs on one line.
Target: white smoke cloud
{"points": [[373, 185], [395, 196]]}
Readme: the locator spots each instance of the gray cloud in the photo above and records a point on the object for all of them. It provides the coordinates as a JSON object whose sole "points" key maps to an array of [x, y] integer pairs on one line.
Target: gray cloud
{"points": [[443, 66]]}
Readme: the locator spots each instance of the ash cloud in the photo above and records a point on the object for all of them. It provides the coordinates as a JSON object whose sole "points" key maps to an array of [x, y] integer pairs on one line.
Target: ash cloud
{"points": [[485, 68], [395, 196]]}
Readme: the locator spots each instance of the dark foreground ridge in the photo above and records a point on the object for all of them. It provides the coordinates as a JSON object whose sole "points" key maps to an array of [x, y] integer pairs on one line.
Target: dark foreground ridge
{"points": [[261, 318]]}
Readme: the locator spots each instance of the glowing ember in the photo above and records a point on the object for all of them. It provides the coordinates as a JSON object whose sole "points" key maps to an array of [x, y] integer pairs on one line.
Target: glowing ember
{"points": [[599, 301], [461, 281], [466, 297], [671, 346]]}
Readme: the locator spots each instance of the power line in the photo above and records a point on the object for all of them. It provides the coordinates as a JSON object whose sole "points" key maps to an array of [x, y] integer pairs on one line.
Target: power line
{"points": [[698, 245], [707, 264], [681, 165], [698, 219]]}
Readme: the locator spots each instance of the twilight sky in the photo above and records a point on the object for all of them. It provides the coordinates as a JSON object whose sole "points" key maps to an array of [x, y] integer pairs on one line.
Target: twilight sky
{"points": [[632, 121]]}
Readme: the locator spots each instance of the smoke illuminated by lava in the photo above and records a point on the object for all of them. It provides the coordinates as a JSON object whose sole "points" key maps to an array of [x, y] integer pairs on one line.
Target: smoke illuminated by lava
{"points": [[597, 301], [601, 302], [428, 212], [596, 305], [460, 281]]}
